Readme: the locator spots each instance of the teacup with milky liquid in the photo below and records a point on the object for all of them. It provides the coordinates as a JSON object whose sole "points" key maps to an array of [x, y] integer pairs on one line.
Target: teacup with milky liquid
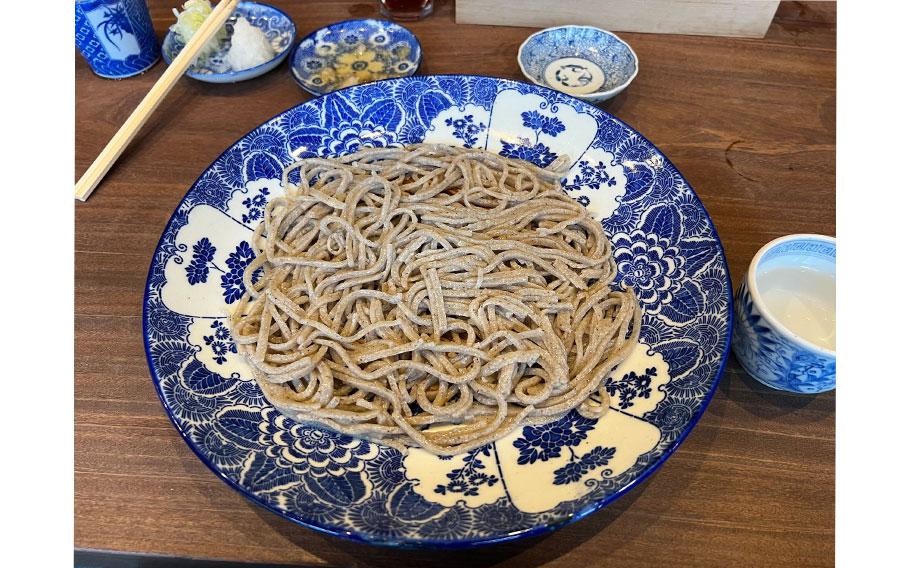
{"points": [[785, 314]]}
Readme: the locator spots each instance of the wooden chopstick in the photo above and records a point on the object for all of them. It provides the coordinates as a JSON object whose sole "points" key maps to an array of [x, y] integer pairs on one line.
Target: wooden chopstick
{"points": [[155, 96]]}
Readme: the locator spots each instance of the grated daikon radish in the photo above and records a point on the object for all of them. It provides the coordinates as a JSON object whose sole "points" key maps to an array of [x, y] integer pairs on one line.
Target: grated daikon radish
{"points": [[249, 46]]}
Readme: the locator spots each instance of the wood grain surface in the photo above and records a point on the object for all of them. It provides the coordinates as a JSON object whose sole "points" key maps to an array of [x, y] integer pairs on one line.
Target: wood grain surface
{"points": [[750, 123]]}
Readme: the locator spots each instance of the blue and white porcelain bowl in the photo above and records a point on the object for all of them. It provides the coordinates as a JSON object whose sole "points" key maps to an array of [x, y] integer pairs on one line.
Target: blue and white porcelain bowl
{"points": [[784, 331], [536, 479], [583, 61], [353, 52], [277, 26], [116, 37]]}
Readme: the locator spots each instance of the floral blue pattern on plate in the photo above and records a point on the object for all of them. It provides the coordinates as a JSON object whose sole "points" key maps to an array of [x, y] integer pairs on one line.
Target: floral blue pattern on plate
{"points": [[583, 61], [353, 52], [277, 26], [534, 480]]}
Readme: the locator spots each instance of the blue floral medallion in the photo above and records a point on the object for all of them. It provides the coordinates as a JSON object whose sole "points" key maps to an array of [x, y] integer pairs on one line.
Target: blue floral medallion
{"points": [[538, 476], [469, 475], [534, 151]]}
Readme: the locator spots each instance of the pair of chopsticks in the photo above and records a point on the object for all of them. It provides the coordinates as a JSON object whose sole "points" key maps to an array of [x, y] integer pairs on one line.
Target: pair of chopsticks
{"points": [[155, 96]]}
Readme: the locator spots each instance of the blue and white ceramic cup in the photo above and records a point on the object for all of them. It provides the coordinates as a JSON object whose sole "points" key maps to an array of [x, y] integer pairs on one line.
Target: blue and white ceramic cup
{"points": [[116, 37], [784, 332]]}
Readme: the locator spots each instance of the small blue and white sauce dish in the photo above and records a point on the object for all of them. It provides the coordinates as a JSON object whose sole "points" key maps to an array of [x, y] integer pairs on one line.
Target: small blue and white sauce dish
{"points": [[255, 39], [785, 314], [353, 52], [588, 63]]}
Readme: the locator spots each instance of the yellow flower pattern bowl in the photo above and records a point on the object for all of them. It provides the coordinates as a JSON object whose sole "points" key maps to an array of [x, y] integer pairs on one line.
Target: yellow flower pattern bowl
{"points": [[353, 52]]}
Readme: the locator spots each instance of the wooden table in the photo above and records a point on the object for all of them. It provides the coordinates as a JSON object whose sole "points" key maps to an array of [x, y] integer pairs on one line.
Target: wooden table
{"points": [[750, 123]]}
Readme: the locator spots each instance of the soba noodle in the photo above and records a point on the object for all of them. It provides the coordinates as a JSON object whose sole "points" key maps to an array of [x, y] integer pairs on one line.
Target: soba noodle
{"points": [[431, 296]]}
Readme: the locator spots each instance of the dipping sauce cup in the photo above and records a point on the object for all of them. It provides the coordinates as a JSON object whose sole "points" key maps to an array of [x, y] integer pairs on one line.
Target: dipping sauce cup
{"points": [[785, 314]]}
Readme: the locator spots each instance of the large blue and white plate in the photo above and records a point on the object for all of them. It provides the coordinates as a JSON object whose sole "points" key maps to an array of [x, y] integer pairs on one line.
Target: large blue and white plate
{"points": [[534, 480]]}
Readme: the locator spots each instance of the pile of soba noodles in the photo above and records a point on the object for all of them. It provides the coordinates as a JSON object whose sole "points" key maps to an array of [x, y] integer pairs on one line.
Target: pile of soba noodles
{"points": [[431, 296]]}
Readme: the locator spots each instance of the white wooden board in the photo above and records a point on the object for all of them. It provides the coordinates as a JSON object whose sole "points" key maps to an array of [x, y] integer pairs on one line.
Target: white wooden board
{"points": [[737, 18]]}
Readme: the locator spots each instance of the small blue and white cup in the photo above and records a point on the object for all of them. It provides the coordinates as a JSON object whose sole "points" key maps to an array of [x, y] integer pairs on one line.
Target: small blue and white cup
{"points": [[785, 314], [116, 37]]}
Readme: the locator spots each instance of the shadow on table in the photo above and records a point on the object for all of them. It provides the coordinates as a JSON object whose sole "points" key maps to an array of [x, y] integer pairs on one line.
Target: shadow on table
{"points": [[765, 402], [531, 551], [614, 105]]}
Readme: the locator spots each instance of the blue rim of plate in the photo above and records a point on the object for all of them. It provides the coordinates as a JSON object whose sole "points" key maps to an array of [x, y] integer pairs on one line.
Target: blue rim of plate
{"points": [[352, 20], [253, 72], [476, 542]]}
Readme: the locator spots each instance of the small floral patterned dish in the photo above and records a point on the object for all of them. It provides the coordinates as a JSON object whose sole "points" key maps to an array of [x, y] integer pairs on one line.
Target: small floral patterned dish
{"points": [[277, 26], [586, 62], [535, 479], [353, 52]]}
